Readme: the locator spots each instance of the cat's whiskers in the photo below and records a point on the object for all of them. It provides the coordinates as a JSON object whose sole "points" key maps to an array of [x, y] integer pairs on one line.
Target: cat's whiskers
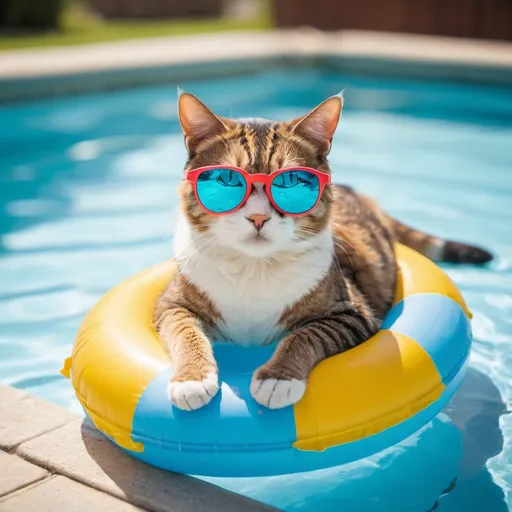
{"points": [[345, 241], [338, 272], [186, 245], [190, 242], [214, 242], [307, 233], [198, 248], [337, 244]]}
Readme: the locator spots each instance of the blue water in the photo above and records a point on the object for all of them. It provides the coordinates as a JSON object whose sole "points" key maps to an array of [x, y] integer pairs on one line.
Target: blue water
{"points": [[87, 198]]}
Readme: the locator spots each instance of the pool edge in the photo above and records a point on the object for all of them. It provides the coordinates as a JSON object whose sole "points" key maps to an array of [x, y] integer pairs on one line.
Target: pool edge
{"points": [[39, 73]]}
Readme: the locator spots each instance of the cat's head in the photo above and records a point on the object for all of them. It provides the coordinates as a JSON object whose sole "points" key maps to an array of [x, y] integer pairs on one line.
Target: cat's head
{"points": [[257, 146]]}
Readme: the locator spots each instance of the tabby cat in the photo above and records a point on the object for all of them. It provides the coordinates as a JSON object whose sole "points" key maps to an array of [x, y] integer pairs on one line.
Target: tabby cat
{"points": [[258, 261]]}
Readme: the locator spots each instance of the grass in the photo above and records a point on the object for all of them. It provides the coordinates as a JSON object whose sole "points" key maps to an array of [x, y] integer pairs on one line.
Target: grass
{"points": [[80, 28]]}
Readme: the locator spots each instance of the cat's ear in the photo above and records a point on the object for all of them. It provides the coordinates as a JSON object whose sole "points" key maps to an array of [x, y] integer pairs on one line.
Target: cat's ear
{"points": [[320, 124], [197, 121]]}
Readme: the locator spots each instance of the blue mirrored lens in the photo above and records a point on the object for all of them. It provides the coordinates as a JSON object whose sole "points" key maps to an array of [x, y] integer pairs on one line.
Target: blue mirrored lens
{"points": [[221, 190], [295, 191]]}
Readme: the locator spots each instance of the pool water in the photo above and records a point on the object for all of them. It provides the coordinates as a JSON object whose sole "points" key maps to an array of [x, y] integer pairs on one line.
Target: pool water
{"points": [[88, 197]]}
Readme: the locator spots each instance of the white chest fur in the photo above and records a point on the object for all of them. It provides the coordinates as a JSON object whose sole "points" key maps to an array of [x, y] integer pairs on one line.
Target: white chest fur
{"points": [[251, 293]]}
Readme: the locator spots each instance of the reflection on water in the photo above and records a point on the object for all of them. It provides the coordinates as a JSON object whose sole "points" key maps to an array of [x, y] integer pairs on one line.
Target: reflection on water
{"points": [[476, 411], [87, 198]]}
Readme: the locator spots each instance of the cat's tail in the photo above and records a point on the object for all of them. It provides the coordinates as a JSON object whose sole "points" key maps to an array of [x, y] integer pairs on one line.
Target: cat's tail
{"points": [[438, 249]]}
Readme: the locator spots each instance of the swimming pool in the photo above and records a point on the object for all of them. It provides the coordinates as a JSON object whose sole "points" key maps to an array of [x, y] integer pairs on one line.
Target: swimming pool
{"points": [[87, 198]]}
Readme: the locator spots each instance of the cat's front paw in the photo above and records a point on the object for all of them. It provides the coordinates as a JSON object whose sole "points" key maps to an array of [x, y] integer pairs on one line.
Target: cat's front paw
{"points": [[193, 394], [277, 393]]}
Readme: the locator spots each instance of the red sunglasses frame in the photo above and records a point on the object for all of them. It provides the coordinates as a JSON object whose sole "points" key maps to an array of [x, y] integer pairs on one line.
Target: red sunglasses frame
{"points": [[251, 179]]}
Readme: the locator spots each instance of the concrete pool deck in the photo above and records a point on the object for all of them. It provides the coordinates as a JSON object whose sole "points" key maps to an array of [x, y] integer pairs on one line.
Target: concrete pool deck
{"points": [[43, 72], [51, 459]]}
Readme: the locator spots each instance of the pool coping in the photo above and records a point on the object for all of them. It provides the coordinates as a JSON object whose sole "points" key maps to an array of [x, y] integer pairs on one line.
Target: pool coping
{"points": [[34, 73], [54, 457]]}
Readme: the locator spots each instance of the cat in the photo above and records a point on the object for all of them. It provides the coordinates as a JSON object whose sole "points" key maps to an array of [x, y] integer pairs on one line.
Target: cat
{"points": [[321, 282]]}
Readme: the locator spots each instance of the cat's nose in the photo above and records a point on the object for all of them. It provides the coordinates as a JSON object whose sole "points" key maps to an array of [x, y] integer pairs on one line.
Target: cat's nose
{"points": [[258, 220]]}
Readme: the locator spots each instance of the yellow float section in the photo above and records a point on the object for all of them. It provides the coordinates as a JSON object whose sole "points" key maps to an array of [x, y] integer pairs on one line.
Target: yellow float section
{"points": [[380, 383], [389, 369], [418, 274], [117, 354]]}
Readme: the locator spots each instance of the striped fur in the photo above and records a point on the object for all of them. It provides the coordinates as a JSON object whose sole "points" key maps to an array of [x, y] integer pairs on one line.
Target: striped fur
{"points": [[438, 249], [322, 283]]}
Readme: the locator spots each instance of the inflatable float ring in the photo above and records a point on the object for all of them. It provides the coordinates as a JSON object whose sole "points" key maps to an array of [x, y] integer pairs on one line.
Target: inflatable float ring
{"points": [[356, 403]]}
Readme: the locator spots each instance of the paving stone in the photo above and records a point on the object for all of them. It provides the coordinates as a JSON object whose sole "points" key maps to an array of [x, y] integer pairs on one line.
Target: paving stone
{"points": [[83, 454], [17, 473], [9, 394], [23, 417], [63, 495]]}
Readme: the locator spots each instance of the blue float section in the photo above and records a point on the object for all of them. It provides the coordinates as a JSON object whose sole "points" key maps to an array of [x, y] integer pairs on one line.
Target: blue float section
{"points": [[253, 459], [438, 324], [231, 422]]}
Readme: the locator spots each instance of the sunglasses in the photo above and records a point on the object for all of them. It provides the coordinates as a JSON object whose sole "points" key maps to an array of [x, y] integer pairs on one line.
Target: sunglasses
{"points": [[293, 191]]}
